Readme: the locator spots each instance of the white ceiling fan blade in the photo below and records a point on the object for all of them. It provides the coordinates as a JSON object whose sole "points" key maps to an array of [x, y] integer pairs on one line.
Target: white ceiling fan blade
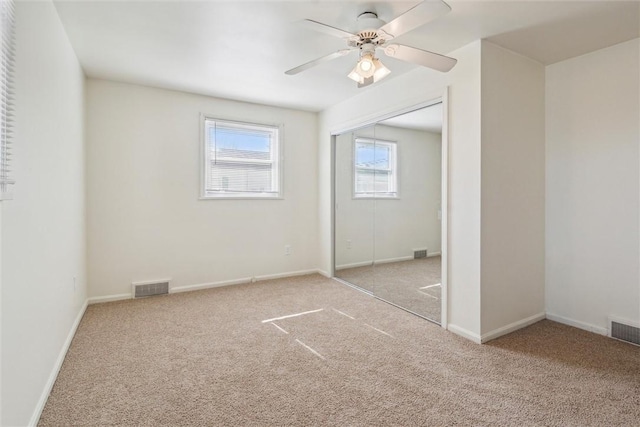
{"points": [[420, 57], [326, 29], [315, 62], [415, 17]]}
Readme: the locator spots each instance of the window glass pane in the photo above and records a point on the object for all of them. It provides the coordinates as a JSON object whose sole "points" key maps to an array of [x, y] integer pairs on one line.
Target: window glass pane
{"points": [[382, 156], [364, 155], [241, 177], [369, 155], [370, 181], [382, 182], [240, 143]]}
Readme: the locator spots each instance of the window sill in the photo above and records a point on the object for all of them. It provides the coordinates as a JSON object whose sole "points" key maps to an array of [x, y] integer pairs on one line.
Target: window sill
{"points": [[231, 197], [376, 198]]}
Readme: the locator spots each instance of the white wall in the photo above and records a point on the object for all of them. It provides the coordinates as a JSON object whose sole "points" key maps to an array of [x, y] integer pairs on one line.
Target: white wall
{"points": [[592, 186], [513, 186], [464, 168], [43, 228], [404, 224], [145, 220]]}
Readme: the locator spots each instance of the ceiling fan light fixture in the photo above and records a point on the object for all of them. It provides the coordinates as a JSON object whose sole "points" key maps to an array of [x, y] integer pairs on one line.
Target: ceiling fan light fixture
{"points": [[353, 75], [380, 70], [366, 66], [377, 72]]}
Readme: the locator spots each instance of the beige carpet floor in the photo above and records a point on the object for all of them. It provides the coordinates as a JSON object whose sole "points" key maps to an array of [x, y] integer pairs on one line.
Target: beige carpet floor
{"points": [[207, 358], [409, 284]]}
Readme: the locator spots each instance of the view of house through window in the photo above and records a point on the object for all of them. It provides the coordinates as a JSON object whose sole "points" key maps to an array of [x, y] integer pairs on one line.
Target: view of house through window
{"points": [[375, 168], [241, 160]]}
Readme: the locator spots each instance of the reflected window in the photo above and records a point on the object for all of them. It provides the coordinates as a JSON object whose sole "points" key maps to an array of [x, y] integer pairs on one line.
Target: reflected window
{"points": [[375, 168]]}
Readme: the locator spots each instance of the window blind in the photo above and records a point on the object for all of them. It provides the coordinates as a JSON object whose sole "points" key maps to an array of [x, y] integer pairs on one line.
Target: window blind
{"points": [[241, 160], [7, 43]]}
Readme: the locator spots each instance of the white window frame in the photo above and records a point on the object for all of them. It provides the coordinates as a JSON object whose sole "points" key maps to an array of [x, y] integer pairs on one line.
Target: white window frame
{"points": [[7, 62], [277, 161], [393, 169]]}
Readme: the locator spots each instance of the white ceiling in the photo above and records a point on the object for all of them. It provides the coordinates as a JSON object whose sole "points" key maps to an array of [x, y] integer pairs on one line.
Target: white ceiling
{"points": [[240, 49]]}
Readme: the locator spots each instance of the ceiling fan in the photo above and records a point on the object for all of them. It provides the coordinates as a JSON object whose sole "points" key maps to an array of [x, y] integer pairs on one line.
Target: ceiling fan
{"points": [[373, 34]]}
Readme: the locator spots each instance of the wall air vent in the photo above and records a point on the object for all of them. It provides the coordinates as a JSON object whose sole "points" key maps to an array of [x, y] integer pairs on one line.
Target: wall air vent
{"points": [[624, 331], [148, 289], [419, 253]]}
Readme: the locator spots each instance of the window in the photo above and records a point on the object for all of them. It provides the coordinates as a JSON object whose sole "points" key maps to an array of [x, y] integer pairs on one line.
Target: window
{"points": [[241, 160], [375, 168], [6, 94]]}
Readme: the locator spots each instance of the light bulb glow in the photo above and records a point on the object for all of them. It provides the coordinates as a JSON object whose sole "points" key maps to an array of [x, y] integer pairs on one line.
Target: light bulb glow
{"points": [[368, 70], [365, 65]]}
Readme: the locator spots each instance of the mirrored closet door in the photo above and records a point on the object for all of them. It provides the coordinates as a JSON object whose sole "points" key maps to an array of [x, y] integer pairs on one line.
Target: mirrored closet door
{"points": [[354, 218], [388, 181]]}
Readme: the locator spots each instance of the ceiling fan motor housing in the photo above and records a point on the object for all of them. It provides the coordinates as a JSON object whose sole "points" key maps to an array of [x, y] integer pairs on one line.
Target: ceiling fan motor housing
{"points": [[368, 48], [368, 24]]}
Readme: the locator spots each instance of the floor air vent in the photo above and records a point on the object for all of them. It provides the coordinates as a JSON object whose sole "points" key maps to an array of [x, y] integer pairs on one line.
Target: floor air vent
{"points": [[624, 332], [148, 289], [419, 253]]}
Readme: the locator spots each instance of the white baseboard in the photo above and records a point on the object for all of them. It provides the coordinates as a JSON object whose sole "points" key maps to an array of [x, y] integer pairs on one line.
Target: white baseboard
{"points": [[512, 327], [429, 255], [380, 261], [324, 273], [353, 265], [108, 298], [200, 286], [283, 275], [35, 417], [577, 324], [464, 333], [388, 260]]}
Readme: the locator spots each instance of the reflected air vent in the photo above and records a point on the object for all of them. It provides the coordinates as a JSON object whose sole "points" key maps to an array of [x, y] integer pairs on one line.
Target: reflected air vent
{"points": [[419, 253]]}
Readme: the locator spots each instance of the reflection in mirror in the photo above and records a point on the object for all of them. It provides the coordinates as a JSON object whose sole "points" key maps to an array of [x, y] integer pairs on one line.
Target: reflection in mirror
{"points": [[354, 219], [408, 229], [388, 180]]}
